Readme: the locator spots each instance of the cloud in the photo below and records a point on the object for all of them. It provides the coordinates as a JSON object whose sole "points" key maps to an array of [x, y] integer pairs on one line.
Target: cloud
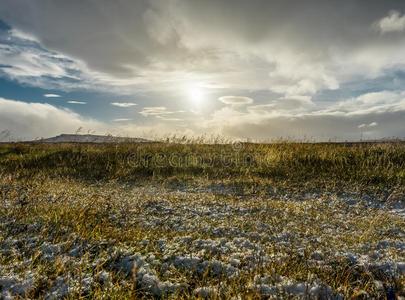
{"points": [[285, 105], [27, 121], [25, 59], [155, 111], [235, 100], [123, 104], [16, 33], [381, 113], [374, 102], [372, 124], [265, 45], [167, 118], [76, 102], [122, 120], [33, 120], [393, 22], [303, 67], [52, 96], [36, 120], [319, 126], [23, 62], [162, 113]]}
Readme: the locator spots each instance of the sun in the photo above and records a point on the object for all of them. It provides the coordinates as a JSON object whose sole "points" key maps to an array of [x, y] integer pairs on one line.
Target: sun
{"points": [[195, 93]]}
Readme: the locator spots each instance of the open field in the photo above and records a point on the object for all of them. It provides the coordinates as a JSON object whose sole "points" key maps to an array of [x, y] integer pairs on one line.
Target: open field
{"points": [[229, 221]]}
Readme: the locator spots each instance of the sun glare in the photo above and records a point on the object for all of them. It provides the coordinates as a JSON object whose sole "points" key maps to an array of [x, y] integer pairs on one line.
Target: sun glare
{"points": [[195, 93]]}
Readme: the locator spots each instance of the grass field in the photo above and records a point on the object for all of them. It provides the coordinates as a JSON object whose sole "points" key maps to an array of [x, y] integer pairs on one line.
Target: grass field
{"points": [[191, 220]]}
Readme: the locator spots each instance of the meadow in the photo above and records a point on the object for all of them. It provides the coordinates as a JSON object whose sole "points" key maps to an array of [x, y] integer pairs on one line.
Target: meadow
{"points": [[185, 219]]}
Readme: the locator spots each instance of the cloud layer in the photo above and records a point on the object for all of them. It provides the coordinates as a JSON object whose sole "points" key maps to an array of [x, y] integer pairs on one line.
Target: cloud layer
{"points": [[288, 47], [277, 67]]}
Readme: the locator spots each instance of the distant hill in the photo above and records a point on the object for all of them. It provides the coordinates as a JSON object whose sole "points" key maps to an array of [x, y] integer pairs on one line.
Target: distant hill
{"points": [[90, 138]]}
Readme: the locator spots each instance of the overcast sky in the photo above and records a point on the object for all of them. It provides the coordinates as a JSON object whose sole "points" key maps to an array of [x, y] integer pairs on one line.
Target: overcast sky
{"points": [[258, 69]]}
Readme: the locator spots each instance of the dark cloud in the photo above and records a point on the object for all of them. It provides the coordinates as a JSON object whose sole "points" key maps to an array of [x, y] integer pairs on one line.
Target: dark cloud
{"points": [[121, 36]]}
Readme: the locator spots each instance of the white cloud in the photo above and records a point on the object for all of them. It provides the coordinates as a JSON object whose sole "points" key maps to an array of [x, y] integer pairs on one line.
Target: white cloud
{"points": [[52, 95], [369, 103], [76, 102], [123, 104], [23, 58], [26, 62], [162, 113], [27, 121], [372, 124], [22, 35], [235, 100], [155, 111], [122, 120], [167, 118], [393, 22], [36, 120]]}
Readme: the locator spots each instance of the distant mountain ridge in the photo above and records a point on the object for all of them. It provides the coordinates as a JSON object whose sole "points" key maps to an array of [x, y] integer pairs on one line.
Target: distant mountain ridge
{"points": [[91, 138]]}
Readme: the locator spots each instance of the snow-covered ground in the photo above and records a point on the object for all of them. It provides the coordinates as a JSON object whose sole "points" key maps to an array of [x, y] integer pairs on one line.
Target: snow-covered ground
{"points": [[204, 244]]}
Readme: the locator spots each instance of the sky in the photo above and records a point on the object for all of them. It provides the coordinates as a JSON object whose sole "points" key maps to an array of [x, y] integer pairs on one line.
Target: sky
{"points": [[258, 69]]}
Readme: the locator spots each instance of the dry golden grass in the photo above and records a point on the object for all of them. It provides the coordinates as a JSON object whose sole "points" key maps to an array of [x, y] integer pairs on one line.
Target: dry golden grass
{"points": [[84, 221]]}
